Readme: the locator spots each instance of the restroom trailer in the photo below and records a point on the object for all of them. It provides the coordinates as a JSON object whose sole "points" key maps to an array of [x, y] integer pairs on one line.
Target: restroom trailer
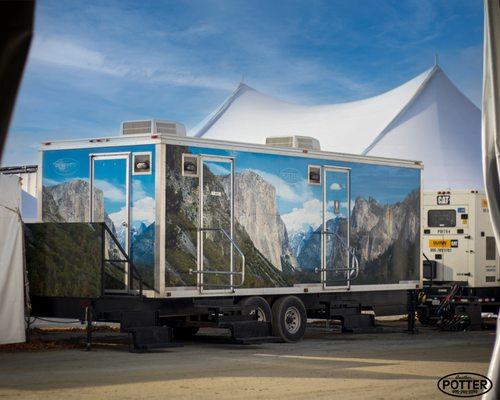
{"points": [[156, 229]]}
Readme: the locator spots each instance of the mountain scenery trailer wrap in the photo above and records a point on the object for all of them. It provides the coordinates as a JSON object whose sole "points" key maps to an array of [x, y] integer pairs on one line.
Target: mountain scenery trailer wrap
{"points": [[278, 214], [279, 210]]}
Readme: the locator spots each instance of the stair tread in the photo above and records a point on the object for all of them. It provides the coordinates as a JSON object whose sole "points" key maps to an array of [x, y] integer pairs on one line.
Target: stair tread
{"points": [[257, 339]]}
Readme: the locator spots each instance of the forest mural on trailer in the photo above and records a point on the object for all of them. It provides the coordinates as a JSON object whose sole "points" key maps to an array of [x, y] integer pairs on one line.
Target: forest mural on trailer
{"points": [[66, 197], [278, 218]]}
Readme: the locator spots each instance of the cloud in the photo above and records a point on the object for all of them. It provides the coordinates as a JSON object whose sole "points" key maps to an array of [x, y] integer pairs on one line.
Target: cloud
{"points": [[65, 52], [138, 189], [143, 210], [309, 215], [344, 204], [110, 191], [335, 186], [292, 193]]}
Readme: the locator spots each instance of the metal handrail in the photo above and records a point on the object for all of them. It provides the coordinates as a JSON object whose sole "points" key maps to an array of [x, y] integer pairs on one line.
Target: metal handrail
{"points": [[214, 272], [134, 273], [352, 256]]}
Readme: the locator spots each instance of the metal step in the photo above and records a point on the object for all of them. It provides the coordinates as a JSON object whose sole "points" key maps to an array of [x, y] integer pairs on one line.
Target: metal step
{"points": [[151, 337], [248, 330], [257, 340]]}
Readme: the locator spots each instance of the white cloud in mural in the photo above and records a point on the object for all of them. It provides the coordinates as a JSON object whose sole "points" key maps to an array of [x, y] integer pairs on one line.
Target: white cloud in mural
{"points": [[110, 191], [296, 193], [143, 210], [335, 186], [310, 215], [138, 190], [344, 204]]}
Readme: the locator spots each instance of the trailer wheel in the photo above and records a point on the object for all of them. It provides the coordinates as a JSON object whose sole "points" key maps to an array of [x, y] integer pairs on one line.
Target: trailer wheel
{"points": [[289, 318], [185, 332], [258, 304]]}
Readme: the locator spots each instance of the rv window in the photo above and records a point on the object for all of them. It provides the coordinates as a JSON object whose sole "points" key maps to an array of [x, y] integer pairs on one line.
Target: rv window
{"points": [[142, 163], [314, 175], [441, 218], [189, 165], [490, 248]]}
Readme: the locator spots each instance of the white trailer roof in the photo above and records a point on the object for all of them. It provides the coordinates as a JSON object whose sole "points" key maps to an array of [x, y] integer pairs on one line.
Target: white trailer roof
{"points": [[426, 118]]}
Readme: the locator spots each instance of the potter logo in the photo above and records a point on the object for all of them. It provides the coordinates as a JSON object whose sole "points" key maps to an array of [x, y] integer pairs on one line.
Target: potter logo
{"points": [[65, 166], [464, 384]]}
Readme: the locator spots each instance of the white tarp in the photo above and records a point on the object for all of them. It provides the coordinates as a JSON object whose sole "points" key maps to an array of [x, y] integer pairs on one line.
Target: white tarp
{"points": [[29, 207], [11, 262], [426, 119], [491, 146]]}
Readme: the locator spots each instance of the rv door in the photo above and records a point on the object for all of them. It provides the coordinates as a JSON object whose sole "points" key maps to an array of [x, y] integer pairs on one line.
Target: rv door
{"points": [[216, 261], [109, 203], [335, 271]]}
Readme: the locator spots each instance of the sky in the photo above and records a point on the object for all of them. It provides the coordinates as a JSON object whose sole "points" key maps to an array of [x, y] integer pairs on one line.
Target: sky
{"points": [[94, 64]]}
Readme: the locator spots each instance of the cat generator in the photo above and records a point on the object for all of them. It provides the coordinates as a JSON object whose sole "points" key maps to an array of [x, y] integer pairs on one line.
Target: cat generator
{"points": [[461, 264]]}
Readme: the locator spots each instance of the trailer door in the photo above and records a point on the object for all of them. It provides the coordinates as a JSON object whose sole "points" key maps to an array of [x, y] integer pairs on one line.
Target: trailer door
{"points": [[336, 222], [216, 246], [109, 203]]}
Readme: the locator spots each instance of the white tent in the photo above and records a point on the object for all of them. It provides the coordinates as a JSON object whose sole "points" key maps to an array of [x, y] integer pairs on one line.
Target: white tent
{"points": [[426, 119], [11, 262]]}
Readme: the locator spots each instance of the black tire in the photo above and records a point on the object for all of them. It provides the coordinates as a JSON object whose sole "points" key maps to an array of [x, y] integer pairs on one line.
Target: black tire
{"points": [[256, 303], [289, 318], [185, 332]]}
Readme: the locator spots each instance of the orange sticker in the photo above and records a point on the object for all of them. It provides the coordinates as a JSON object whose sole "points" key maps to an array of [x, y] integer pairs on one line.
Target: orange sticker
{"points": [[440, 244]]}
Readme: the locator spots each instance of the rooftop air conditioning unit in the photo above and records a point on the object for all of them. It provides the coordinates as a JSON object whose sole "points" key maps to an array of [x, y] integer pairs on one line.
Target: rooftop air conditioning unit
{"points": [[153, 127], [298, 142]]}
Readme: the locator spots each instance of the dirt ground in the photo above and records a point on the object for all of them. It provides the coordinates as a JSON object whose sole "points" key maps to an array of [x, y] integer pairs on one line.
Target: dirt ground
{"points": [[386, 365]]}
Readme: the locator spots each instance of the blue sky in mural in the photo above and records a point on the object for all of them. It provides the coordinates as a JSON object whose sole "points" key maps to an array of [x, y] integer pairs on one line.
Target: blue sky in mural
{"points": [[67, 165], [299, 201], [110, 177]]}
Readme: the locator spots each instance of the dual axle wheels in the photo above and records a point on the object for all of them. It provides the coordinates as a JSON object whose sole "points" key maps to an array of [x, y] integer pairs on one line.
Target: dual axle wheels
{"points": [[287, 315]]}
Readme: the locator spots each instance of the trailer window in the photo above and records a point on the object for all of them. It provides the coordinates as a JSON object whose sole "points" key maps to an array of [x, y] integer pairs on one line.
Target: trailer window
{"points": [[142, 163], [189, 165], [314, 175], [490, 248], [441, 218]]}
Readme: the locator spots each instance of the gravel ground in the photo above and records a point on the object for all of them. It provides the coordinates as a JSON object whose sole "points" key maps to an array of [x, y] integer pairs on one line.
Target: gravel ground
{"points": [[385, 365]]}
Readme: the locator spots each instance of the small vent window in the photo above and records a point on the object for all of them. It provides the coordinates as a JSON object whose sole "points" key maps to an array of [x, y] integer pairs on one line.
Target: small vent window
{"points": [[314, 175], [142, 163], [442, 218], [491, 251], [189, 165]]}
